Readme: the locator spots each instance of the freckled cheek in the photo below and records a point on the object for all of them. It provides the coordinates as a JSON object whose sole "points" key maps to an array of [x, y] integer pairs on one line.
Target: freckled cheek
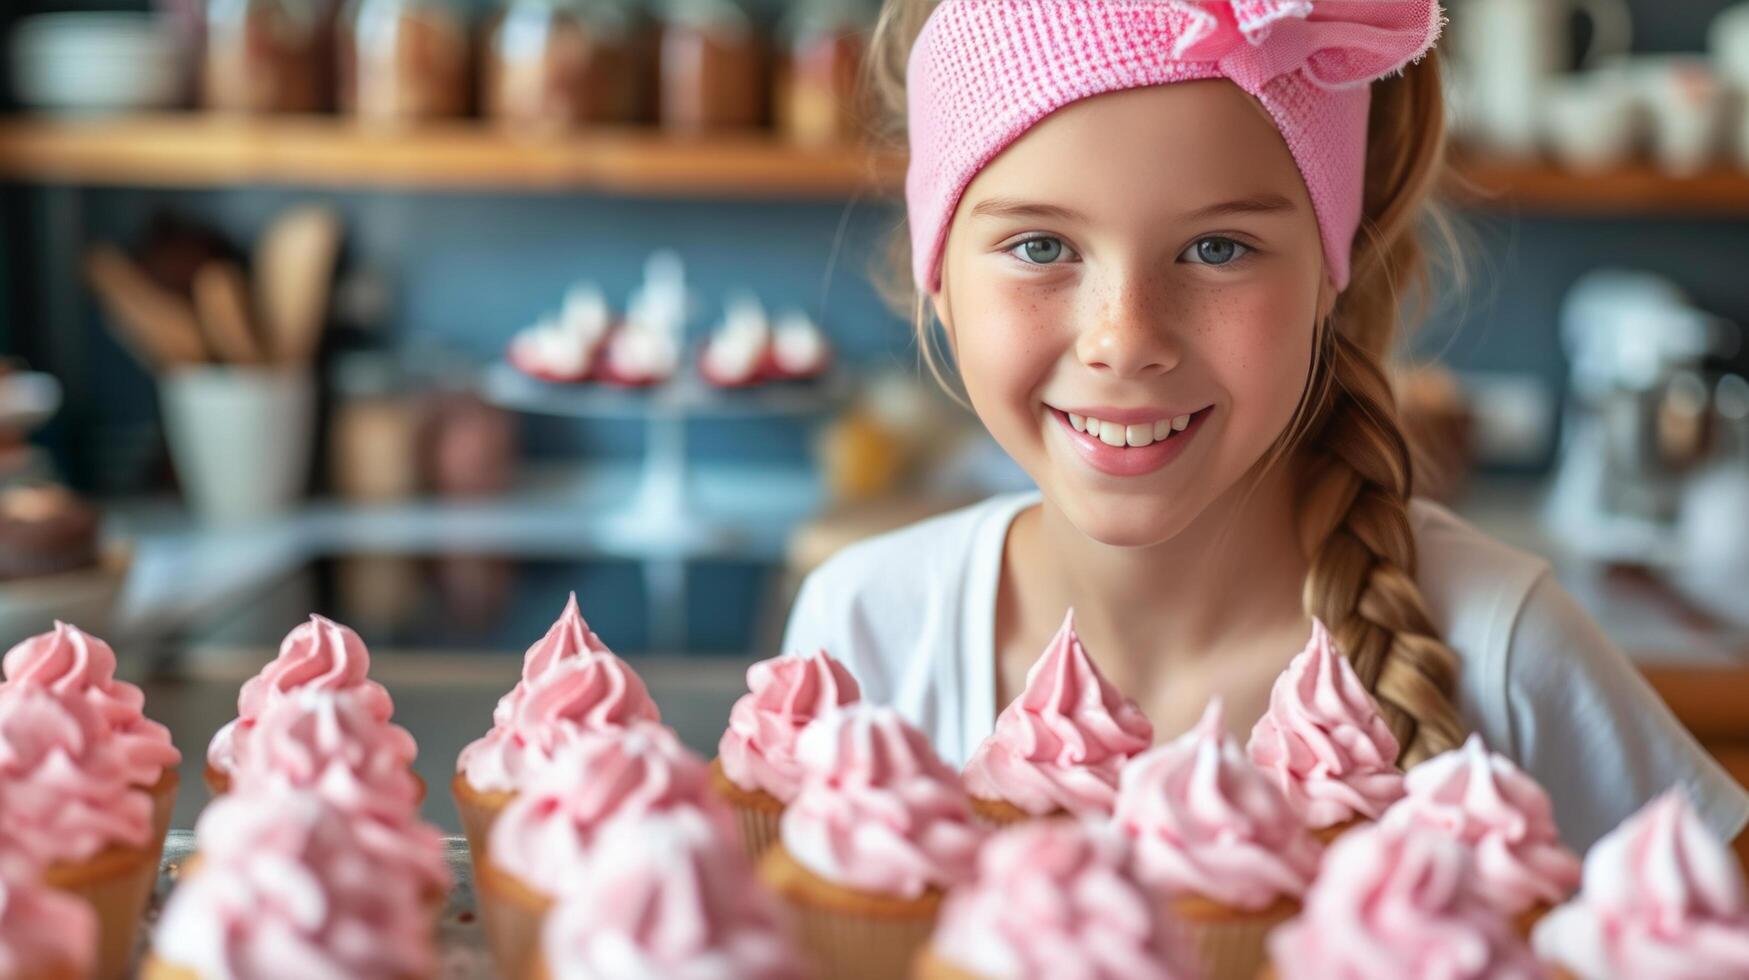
{"points": [[1006, 341], [1259, 350]]}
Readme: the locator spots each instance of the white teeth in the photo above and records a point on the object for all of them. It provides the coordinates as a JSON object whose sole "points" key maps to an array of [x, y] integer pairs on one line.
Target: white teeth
{"points": [[1162, 429], [1111, 433], [1078, 421], [1115, 434], [1138, 435], [1180, 423]]}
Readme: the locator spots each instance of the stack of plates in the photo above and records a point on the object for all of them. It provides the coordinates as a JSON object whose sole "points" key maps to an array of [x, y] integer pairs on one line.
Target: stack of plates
{"points": [[97, 62]]}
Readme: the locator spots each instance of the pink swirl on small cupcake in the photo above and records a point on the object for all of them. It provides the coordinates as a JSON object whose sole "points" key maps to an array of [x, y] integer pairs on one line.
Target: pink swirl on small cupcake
{"points": [[591, 692], [1323, 740], [784, 694], [286, 889], [668, 897], [1206, 822], [878, 810], [43, 932], [1059, 746], [319, 655], [1663, 900], [1483, 800], [1399, 902], [72, 661], [544, 835], [1056, 898], [64, 790], [330, 743]]}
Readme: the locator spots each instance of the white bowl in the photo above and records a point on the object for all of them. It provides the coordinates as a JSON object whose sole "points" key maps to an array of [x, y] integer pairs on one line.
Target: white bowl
{"points": [[97, 62]]}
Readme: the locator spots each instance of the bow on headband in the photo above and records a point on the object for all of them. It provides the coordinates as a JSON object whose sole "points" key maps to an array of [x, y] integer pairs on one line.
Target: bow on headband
{"points": [[1339, 43]]}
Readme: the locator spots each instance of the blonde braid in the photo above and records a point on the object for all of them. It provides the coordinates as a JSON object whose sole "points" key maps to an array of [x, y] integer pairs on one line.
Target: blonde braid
{"points": [[1354, 515]]}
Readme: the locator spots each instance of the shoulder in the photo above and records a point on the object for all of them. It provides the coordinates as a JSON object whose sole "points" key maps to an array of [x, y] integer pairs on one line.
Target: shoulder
{"points": [[900, 563]]}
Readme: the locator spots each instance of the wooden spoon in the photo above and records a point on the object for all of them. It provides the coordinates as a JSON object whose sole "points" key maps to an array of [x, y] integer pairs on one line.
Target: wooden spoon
{"points": [[294, 272], [156, 324], [221, 297]]}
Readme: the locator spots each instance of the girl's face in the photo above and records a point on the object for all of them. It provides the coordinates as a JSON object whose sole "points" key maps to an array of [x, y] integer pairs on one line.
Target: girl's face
{"points": [[1131, 290]]}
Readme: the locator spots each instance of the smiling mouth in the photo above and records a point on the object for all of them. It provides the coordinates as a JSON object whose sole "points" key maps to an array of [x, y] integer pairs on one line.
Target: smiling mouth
{"points": [[1119, 435]]}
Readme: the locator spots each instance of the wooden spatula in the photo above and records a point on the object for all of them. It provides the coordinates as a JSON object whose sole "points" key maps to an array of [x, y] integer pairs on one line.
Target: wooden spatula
{"points": [[221, 298], [158, 325], [294, 272]]}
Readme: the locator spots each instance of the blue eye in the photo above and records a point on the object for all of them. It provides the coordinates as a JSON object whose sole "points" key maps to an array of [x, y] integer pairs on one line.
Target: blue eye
{"points": [[1043, 250], [1214, 250]]}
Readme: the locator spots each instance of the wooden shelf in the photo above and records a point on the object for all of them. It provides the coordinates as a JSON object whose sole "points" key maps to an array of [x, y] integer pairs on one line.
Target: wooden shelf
{"points": [[1638, 189], [200, 150]]}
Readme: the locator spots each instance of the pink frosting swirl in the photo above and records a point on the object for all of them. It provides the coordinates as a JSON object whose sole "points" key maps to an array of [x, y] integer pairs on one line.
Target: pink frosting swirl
{"points": [[1323, 740], [319, 655], [72, 661], [878, 811], [758, 751], [1663, 900], [64, 790], [1206, 822], [570, 682], [1060, 745], [668, 897], [1398, 902], [544, 835], [43, 933], [330, 743], [286, 889], [1483, 800], [1056, 899]]}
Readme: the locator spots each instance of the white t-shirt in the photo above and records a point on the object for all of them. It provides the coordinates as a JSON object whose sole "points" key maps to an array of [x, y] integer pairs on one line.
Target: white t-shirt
{"points": [[912, 614]]}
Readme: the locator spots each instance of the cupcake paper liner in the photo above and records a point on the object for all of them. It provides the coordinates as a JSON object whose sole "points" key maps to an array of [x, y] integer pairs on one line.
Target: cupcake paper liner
{"points": [[756, 812], [116, 884], [479, 810], [932, 967], [1001, 813], [849, 935], [1229, 943], [156, 969], [512, 914]]}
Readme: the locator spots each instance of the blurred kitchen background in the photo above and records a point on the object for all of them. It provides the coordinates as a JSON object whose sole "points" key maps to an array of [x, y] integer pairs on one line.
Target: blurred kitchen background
{"points": [[423, 313]]}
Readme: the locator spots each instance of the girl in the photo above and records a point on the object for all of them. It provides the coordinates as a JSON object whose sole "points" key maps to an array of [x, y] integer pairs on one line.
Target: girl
{"points": [[1166, 244]]}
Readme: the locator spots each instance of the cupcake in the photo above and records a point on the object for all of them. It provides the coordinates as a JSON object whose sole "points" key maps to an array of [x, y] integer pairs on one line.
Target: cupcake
{"points": [[1399, 902], [1663, 900], [73, 662], [667, 898], [1483, 800], [329, 743], [756, 771], [44, 934], [285, 888], [1058, 747], [1324, 743], [1053, 898], [878, 832], [540, 846], [570, 683], [70, 808], [1215, 837], [320, 655]]}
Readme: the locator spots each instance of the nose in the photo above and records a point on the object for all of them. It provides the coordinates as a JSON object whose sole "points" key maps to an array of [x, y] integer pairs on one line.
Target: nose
{"points": [[1128, 335]]}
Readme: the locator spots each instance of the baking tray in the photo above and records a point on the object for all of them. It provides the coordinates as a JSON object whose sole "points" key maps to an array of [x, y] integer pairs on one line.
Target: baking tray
{"points": [[462, 953]]}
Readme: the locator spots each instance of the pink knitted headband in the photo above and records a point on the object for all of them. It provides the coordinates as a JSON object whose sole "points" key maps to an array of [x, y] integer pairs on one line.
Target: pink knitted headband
{"points": [[985, 71]]}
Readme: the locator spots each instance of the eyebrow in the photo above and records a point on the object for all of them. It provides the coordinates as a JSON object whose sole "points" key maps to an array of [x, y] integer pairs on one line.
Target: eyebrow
{"points": [[1007, 207]]}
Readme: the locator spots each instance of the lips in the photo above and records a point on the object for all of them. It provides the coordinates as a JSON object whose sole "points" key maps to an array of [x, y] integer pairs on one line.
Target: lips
{"points": [[1141, 451]]}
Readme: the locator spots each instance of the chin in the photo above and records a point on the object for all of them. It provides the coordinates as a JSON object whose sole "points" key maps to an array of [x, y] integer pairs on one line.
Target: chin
{"points": [[1126, 520]]}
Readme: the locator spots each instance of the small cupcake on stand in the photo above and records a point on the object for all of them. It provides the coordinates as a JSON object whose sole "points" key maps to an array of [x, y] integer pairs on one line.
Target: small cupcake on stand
{"points": [[1058, 748], [1483, 801], [756, 771], [1325, 745]]}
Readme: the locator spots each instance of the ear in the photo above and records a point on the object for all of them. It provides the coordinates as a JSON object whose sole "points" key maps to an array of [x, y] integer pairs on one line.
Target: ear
{"points": [[939, 304], [1327, 295]]}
